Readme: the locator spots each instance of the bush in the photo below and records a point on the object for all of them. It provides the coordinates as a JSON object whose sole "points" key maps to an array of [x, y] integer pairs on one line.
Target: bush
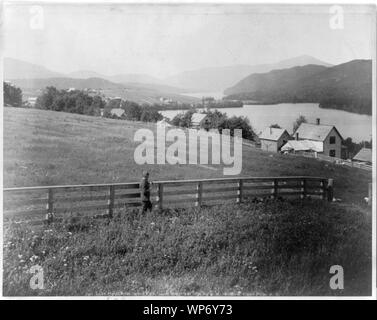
{"points": [[12, 95]]}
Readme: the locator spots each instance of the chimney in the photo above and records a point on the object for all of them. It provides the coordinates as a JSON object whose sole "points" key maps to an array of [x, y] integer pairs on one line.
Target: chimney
{"points": [[296, 135], [318, 121], [270, 130]]}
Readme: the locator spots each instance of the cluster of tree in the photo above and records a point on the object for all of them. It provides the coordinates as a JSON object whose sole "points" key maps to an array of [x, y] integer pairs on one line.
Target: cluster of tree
{"points": [[298, 121], [207, 102], [217, 120], [80, 102], [350, 103], [171, 106], [75, 101], [216, 104], [12, 95], [133, 111]]}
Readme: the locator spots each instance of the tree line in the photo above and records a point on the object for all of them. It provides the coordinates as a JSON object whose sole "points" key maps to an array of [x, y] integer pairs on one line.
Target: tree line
{"points": [[217, 120], [77, 101]]}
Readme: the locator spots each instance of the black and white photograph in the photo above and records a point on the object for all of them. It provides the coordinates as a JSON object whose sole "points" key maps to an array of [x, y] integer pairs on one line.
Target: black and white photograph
{"points": [[188, 150]]}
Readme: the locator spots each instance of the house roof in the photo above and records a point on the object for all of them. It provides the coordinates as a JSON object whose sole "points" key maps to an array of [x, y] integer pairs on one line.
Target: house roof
{"points": [[364, 154], [163, 122], [117, 111], [272, 133], [303, 145], [197, 117], [317, 132]]}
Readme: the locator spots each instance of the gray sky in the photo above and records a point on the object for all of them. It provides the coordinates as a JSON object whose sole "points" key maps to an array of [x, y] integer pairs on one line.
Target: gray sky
{"points": [[163, 40]]}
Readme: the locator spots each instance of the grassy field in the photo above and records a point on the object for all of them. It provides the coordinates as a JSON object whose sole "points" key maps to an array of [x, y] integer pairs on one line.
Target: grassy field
{"points": [[269, 248], [273, 248], [52, 148]]}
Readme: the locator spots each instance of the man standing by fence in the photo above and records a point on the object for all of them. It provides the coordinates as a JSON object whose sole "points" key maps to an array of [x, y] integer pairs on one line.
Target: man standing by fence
{"points": [[145, 186]]}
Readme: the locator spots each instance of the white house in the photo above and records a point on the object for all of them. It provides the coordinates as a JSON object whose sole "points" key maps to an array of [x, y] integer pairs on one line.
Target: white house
{"points": [[197, 120], [163, 123], [272, 139], [32, 101], [327, 135], [117, 112]]}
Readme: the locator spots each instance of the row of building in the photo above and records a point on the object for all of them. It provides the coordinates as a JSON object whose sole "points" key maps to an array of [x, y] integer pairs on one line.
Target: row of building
{"points": [[314, 138]]}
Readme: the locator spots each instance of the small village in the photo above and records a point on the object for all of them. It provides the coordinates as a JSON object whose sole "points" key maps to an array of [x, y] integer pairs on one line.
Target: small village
{"points": [[314, 140]]}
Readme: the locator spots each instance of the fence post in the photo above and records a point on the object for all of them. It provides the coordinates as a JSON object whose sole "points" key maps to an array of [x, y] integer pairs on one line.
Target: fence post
{"points": [[370, 194], [240, 191], [330, 190], [275, 194], [50, 206], [304, 188], [323, 188], [111, 201], [160, 195], [199, 193]]}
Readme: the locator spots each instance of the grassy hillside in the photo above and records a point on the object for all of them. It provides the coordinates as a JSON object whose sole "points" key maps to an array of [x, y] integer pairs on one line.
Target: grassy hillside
{"points": [[53, 148]]}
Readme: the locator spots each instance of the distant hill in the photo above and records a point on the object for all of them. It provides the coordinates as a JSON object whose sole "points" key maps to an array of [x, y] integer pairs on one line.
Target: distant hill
{"points": [[276, 81], [119, 78], [220, 78], [347, 86], [17, 69], [141, 93], [134, 78], [66, 83], [85, 74]]}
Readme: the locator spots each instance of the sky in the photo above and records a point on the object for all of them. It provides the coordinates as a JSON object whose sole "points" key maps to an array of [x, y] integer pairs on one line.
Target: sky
{"points": [[161, 40]]}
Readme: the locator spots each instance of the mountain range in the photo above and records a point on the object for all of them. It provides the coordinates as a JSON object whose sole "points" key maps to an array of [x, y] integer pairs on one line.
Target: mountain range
{"points": [[200, 80], [220, 78], [346, 86], [301, 79], [32, 78]]}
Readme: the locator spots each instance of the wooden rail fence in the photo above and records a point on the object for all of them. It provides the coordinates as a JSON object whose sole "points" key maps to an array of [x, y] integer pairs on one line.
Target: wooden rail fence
{"points": [[338, 161], [36, 202]]}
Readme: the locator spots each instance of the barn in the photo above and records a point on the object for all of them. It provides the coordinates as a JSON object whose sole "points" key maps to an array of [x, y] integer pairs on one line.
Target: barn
{"points": [[272, 139], [197, 119]]}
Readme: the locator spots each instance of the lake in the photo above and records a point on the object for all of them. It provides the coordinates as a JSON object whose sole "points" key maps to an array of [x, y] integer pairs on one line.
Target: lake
{"points": [[356, 126]]}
